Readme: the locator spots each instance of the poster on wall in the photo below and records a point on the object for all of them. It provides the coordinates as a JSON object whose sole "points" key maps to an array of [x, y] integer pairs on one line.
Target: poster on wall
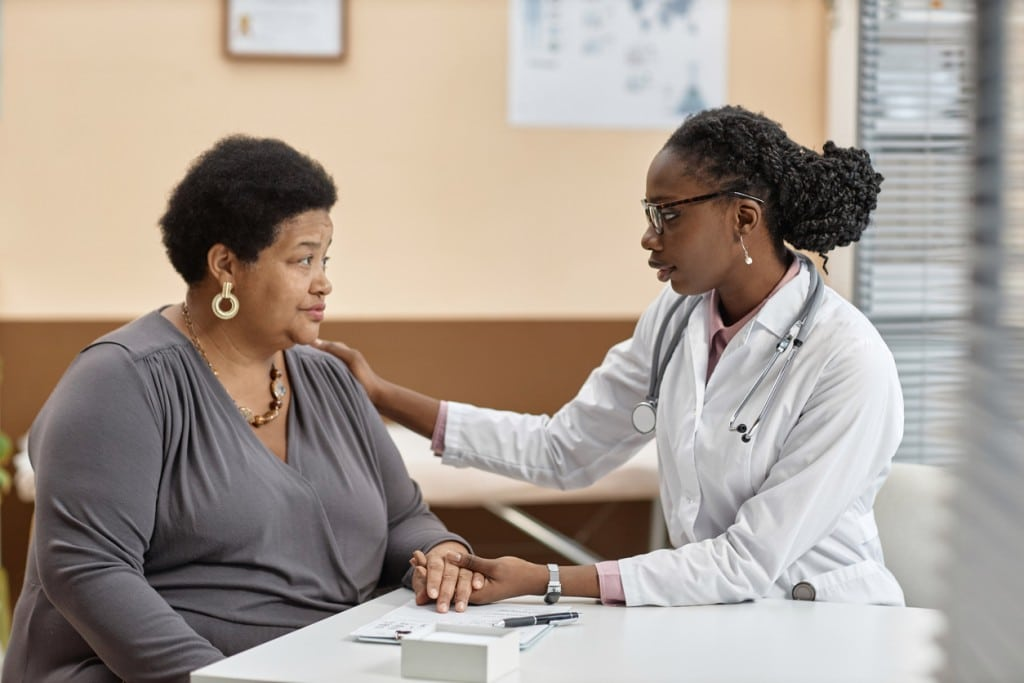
{"points": [[615, 63]]}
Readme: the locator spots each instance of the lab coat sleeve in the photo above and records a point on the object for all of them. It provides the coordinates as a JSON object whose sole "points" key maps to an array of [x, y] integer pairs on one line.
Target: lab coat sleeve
{"points": [[587, 438], [831, 463]]}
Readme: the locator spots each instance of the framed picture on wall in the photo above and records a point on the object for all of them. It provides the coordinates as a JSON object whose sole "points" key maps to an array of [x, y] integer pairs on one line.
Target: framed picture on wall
{"points": [[307, 29]]}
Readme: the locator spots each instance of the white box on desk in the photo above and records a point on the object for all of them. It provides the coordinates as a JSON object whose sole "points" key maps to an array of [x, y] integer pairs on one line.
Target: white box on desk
{"points": [[470, 654]]}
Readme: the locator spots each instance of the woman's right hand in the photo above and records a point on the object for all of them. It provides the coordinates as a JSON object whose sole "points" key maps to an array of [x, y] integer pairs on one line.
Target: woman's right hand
{"points": [[355, 361], [504, 577]]}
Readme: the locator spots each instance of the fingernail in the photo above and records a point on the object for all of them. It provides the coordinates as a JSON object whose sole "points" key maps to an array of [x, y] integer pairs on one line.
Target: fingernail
{"points": [[433, 592], [478, 584], [460, 606], [442, 607]]}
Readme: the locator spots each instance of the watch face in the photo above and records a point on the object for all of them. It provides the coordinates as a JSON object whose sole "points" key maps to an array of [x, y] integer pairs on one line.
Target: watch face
{"points": [[554, 585]]}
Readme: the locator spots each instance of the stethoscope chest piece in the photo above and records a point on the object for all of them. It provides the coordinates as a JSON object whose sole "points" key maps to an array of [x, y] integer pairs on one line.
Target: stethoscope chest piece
{"points": [[645, 417]]}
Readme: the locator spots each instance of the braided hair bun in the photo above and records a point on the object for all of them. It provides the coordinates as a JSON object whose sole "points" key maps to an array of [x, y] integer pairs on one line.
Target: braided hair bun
{"points": [[813, 201]]}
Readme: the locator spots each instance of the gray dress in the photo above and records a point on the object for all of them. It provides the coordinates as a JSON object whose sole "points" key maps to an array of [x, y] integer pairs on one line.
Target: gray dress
{"points": [[167, 536]]}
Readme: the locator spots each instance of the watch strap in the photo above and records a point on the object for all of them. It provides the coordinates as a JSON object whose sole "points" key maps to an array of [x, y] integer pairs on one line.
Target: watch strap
{"points": [[554, 591]]}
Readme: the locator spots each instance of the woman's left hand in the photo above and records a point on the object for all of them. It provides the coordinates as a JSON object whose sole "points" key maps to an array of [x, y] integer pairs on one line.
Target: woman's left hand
{"points": [[435, 579]]}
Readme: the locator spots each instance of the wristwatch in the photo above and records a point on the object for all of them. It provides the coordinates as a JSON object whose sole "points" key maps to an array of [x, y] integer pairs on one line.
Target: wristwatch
{"points": [[554, 585]]}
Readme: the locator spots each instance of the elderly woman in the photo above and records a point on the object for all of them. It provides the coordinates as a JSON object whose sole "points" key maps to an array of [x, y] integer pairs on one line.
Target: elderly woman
{"points": [[201, 489]]}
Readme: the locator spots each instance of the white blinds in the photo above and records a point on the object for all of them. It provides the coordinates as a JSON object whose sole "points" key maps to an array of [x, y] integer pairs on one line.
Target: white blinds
{"points": [[912, 265], [986, 613]]}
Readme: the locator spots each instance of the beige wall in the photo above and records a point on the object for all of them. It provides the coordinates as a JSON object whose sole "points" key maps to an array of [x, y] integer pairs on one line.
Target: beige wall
{"points": [[445, 210]]}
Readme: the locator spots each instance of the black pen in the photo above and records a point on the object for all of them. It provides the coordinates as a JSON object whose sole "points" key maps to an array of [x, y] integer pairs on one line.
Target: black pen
{"points": [[538, 619]]}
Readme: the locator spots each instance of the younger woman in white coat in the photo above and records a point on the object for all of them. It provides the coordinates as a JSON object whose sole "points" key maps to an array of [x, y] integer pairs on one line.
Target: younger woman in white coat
{"points": [[762, 497]]}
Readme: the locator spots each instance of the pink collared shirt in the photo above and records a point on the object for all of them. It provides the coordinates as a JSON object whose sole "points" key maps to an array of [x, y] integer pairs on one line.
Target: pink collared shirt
{"points": [[719, 335], [437, 442]]}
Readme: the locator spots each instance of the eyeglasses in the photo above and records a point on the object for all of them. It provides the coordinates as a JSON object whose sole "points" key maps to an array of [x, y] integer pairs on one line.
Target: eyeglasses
{"points": [[656, 217]]}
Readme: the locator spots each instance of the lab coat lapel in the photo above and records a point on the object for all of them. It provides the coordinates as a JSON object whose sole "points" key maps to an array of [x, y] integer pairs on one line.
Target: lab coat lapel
{"points": [[696, 342], [779, 312]]}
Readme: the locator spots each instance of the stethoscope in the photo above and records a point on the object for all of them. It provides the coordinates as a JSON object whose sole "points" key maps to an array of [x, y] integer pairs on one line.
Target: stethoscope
{"points": [[645, 414]]}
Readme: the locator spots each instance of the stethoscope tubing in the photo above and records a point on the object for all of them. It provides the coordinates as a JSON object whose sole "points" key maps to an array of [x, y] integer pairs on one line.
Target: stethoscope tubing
{"points": [[794, 340], [655, 384], [645, 412]]}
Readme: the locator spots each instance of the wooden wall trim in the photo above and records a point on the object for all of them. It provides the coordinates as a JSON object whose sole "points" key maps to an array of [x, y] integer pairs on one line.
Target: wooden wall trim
{"points": [[525, 365]]}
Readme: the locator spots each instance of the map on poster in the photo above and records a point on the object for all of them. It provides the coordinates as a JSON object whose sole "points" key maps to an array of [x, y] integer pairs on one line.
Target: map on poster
{"points": [[615, 63]]}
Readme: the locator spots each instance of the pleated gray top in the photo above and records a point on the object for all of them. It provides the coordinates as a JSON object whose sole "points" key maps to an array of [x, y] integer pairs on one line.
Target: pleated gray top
{"points": [[168, 536]]}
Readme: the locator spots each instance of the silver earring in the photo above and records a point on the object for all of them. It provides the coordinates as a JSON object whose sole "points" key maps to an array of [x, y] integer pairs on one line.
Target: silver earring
{"points": [[219, 300], [746, 254]]}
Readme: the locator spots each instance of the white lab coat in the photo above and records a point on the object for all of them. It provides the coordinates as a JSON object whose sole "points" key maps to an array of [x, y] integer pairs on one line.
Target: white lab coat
{"points": [[745, 520]]}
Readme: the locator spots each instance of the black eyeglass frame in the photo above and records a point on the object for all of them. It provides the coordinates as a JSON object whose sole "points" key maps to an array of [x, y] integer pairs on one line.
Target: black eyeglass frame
{"points": [[657, 221]]}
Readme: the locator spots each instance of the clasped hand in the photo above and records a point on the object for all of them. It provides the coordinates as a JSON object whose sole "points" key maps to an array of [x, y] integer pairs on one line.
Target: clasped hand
{"points": [[452, 578]]}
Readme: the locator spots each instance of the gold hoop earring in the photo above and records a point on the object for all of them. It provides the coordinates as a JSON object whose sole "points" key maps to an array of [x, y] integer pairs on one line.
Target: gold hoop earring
{"points": [[219, 300], [746, 254]]}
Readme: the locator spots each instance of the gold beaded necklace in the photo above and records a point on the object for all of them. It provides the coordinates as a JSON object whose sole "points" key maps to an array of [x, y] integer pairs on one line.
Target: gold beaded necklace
{"points": [[277, 387]]}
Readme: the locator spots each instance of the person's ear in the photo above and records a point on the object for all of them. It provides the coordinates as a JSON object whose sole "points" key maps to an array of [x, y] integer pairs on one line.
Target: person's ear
{"points": [[222, 263], [748, 216]]}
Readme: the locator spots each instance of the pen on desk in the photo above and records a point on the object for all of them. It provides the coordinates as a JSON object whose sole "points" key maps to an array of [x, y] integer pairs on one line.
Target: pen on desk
{"points": [[551, 617]]}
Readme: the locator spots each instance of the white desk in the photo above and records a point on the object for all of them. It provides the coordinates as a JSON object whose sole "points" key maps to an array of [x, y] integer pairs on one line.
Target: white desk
{"points": [[771, 641]]}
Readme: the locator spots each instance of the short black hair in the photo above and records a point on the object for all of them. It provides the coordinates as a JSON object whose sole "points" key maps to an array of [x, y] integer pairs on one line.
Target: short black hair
{"points": [[813, 201], [237, 194]]}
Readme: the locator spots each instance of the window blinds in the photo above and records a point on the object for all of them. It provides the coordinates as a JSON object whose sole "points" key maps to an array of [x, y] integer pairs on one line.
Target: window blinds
{"points": [[912, 264], [986, 613]]}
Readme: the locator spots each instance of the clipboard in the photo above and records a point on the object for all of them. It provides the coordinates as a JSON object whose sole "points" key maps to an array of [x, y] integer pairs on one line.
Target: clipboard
{"points": [[411, 618]]}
